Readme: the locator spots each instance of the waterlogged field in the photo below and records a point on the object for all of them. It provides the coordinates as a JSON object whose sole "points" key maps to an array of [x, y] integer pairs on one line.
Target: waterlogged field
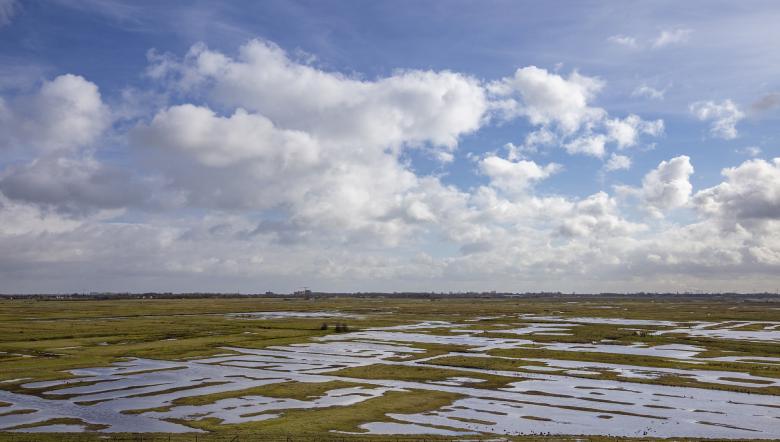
{"points": [[378, 368]]}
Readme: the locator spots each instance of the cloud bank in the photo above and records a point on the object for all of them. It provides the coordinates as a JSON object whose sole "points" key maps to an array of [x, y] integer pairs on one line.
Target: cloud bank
{"points": [[260, 170]]}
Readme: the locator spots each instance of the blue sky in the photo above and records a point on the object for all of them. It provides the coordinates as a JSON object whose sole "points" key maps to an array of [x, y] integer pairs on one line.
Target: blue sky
{"points": [[351, 145]]}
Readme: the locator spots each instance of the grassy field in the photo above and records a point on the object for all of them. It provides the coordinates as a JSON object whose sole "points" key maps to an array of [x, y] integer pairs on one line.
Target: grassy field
{"points": [[41, 340]]}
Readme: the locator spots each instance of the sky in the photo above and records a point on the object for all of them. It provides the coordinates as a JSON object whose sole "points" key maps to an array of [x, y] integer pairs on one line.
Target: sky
{"points": [[574, 146]]}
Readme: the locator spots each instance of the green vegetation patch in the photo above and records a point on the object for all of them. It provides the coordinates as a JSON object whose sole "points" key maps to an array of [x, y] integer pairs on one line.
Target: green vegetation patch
{"points": [[756, 369], [483, 363], [289, 390], [422, 374], [321, 421], [62, 421]]}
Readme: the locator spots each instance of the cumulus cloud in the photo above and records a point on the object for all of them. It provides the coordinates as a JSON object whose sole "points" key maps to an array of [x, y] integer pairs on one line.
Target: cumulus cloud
{"points": [[750, 194], [592, 145], [668, 186], [560, 107], [724, 117], [324, 148], [410, 107], [549, 99], [64, 114], [625, 132], [515, 176], [597, 214], [54, 133], [263, 167], [223, 141], [671, 37], [664, 188]]}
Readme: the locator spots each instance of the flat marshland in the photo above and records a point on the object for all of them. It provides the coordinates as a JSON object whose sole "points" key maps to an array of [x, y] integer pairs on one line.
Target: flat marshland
{"points": [[385, 368]]}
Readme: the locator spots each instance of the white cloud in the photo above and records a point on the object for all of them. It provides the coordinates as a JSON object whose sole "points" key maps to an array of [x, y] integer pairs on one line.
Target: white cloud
{"points": [[664, 188], [623, 40], [667, 186], [666, 37], [750, 194], [323, 147], [262, 168], [597, 214], [54, 133], [67, 113], [751, 151], [724, 116], [223, 141], [25, 219], [646, 91], [561, 108], [618, 162], [410, 107], [592, 145], [515, 176], [549, 99], [625, 132], [671, 37]]}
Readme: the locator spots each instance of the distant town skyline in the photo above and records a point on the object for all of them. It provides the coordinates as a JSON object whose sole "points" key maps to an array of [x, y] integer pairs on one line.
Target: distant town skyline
{"points": [[353, 146]]}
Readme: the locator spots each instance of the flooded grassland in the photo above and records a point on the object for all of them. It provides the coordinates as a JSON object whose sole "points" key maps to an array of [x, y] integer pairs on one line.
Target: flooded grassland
{"points": [[369, 368]]}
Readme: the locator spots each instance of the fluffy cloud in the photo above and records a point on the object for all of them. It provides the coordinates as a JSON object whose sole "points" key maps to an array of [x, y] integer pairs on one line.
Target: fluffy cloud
{"points": [[666, 187], [224, 141], [561, 108], [67, 113], [260, 167], [515, 176], [54, 134], [625, 132], [593, 145], [597, 214], [749, 195], [410, 107], [551, 100], [724, 116], [323, 147]]}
